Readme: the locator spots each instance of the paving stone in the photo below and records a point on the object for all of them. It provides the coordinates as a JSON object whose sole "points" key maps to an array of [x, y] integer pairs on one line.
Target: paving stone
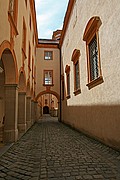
{"points": [[98, 176], [87, 177], [52, 151]]}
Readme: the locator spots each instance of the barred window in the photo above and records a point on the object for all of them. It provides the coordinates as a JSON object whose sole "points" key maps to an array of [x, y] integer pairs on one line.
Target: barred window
{"points": [[77, 79], [67, 71], [68, 84], [91, 36], [75, 59], [93, 54]]}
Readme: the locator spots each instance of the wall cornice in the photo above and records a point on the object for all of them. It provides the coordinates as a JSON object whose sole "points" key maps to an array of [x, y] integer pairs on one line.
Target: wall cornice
{"points": [[33, 13], [66, 20]]}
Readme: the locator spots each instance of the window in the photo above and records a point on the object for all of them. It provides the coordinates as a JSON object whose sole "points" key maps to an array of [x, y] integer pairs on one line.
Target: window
{"points": [[93, 55], [24, 38], [48, 77], [91, 36], [62, 83], [75, 59], [67, 71], [30, 22], [26, 2], [46, 102], [29, 61], [48, 55], [13, 8], [13, 14]]}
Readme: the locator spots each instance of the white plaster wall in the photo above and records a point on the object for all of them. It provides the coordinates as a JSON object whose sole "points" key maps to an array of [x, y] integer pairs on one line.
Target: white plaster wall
{"points": [[95, 111]]}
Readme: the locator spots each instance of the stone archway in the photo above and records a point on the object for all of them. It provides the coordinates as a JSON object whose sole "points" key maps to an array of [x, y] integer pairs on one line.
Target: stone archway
{"points": [[52, 93], [22, 103], [10, 86]]}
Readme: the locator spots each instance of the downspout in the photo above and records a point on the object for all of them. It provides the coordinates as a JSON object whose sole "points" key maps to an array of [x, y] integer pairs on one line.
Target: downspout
{"points": [[60, 88]]}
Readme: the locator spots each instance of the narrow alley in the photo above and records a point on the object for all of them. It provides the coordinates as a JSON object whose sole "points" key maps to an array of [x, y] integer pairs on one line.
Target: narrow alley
{"points": [[52, 151]]}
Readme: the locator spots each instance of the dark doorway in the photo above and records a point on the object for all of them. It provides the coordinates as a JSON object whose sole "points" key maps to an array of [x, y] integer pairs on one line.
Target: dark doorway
{"points": [[45, 110]]}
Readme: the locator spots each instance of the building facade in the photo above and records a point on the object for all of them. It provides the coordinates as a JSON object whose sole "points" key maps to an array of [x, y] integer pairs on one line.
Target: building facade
{"points": [[90, 69], [74, 75], [48, 76], [18, 39]]}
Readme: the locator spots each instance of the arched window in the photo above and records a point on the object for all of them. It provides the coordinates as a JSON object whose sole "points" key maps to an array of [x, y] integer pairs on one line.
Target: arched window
{"points": [[13, 14], [75, 59], [67, 71], [91, 36]]}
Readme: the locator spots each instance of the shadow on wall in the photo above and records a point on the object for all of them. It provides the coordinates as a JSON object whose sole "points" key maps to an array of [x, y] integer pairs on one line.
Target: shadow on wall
{"points": [[101, 122]]}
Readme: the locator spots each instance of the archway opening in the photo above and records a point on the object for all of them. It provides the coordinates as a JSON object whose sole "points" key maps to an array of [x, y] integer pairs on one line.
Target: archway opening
{"points": [[45, 110], [48, 104], [8, 90]]}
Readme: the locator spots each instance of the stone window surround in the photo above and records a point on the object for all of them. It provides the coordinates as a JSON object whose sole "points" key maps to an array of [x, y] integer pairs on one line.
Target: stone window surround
{"points": [[91, 30], [24, 38], [75, 59], [67, 71]]}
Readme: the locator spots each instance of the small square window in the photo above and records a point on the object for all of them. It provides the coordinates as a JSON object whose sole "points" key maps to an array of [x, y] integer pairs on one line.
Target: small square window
{"points": [[48, 55]]}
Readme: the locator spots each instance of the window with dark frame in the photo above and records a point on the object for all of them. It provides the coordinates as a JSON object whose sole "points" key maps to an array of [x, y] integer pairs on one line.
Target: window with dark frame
{"points": [[93, 55], [26, 2], [48, 77], [46, 102], [24, 37], [67, 71], [68, 84], [75, 59], [48, 55], [13, 7], [77, 78], [91, 36], [13, 15], [63, 87]]}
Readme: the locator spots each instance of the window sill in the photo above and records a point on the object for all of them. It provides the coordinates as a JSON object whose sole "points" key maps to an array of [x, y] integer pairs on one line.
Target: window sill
{"points": [[48, 59], [68, 97], [95, 82], [48, 84], [76, 92]]}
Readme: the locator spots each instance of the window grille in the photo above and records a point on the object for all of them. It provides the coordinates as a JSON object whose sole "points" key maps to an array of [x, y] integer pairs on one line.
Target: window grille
{"points": [[68, 84], [77, 79], [93, 53]]}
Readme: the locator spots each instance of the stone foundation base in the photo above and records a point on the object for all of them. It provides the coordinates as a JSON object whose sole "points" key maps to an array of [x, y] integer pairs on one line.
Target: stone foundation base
{"points": [[10, 136]]}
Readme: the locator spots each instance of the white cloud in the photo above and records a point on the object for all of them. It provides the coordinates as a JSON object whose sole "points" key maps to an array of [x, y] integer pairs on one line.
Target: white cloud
{"points": [[50, 15]]}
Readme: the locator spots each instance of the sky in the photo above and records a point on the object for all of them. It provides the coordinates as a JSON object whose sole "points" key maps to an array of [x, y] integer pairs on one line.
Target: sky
{"points": [[50, 16]]}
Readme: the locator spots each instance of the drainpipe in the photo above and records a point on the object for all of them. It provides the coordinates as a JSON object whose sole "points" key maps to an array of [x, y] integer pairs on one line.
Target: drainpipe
{"points": [[60, 88]]}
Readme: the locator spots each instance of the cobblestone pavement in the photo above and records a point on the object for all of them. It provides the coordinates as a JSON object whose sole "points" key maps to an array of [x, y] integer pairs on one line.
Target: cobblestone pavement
{"points": [[52, 151]]}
